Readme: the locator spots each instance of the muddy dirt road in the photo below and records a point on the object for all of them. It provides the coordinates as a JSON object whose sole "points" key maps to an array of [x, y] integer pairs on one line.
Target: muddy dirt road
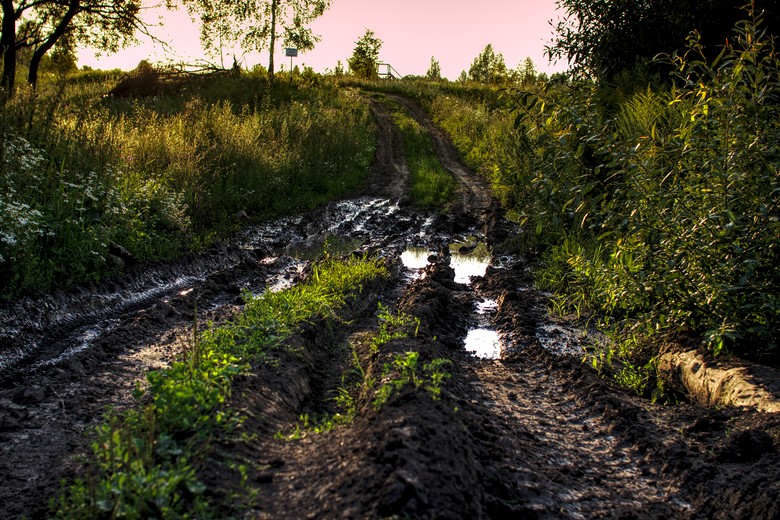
{"points": [[522, 428]]}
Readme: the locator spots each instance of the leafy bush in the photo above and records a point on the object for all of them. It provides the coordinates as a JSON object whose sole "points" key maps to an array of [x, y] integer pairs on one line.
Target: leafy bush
{"points": [[658, 210], [680, 191]]}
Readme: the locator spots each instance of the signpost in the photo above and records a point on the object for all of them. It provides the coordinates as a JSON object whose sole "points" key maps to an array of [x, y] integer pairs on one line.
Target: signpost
{"points": [[292, 52]]}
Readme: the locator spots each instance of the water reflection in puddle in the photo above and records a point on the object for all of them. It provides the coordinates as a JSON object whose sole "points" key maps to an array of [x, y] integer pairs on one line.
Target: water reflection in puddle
{"points": [[483, 343], [487, 306], [469, 258], [415, 257]]}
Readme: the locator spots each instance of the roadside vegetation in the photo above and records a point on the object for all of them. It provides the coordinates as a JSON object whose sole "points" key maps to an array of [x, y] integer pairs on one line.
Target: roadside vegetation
{"points": [[650, 195], [654, 205], [145, 462], [82, 173]]}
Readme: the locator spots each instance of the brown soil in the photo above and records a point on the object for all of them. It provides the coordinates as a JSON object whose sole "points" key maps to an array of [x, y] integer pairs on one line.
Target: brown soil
{"points": [[530, 435]]}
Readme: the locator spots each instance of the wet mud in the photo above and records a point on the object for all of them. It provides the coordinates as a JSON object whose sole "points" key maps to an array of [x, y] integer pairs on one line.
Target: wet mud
{"points": [[522, 428]]}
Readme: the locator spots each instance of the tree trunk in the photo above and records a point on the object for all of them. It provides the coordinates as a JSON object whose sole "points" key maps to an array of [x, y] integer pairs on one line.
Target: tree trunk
{"points": [[8, 50], [59, 31], [274, 4]]}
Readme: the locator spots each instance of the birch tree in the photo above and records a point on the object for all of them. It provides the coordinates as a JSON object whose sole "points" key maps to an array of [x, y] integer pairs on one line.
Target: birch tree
{"points": [[256, 25]]}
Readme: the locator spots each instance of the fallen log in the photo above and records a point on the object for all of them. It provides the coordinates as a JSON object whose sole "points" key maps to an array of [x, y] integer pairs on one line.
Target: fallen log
{"points": [[721, 383]]}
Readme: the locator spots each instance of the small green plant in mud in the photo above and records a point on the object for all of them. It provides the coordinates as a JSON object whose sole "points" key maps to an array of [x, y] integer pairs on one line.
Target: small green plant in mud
{"points": [[393, 326], [627, 360], [404, 371], [346, 411]]}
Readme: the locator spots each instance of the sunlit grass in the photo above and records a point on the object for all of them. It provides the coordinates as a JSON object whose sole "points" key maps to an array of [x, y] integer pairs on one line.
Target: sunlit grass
{"points": [[162, 175], [432, 185]]}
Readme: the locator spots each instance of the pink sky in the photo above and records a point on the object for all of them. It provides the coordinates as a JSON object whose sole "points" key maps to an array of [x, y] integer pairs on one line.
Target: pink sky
{"points": [[452, 31]]}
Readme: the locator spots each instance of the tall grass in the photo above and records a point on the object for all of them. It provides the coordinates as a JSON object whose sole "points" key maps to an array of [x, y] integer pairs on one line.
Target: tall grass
{"points": [[160, 175], [484, 134]]}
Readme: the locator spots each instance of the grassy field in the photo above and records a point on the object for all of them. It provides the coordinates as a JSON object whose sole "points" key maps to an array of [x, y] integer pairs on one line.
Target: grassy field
{"points": [[158, 175]]}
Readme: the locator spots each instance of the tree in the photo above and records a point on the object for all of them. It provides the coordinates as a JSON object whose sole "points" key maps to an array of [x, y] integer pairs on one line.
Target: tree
{"points": [[488, 67], [525, 73], [40, 24], [363, 62], [62, 58], [257, 24], [434, 71], [529, 72], [602, 38]]}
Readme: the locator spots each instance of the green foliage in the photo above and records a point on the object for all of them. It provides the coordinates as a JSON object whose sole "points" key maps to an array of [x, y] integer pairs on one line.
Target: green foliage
{"points": [[525, 74], [680, 190], [488, 67], [161, 175], [363, 62], [255, 25], [393, 326], [144, 462], [487, 141], [38, 27], [404, 370], [434, 71], [268, 319], [601, 39]]}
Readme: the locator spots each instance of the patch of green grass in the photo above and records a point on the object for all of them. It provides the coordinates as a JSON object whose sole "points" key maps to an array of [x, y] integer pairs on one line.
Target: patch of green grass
{"points": [[145, 462], [393, 326], [267, 320], [432, 185], [404, 370]]}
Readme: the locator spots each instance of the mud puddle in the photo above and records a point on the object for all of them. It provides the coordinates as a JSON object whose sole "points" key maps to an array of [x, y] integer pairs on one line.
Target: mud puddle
{"points": [[469, 258], [484, 341], [37, 333]]}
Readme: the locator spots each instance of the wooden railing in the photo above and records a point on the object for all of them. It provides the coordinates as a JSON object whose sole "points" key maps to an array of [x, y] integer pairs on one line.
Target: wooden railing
{"points": [[386, 71]]}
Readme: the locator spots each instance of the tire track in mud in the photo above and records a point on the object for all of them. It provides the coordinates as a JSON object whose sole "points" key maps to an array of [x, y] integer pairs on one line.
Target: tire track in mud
{"points": [[562, 451], [475, 196]]}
